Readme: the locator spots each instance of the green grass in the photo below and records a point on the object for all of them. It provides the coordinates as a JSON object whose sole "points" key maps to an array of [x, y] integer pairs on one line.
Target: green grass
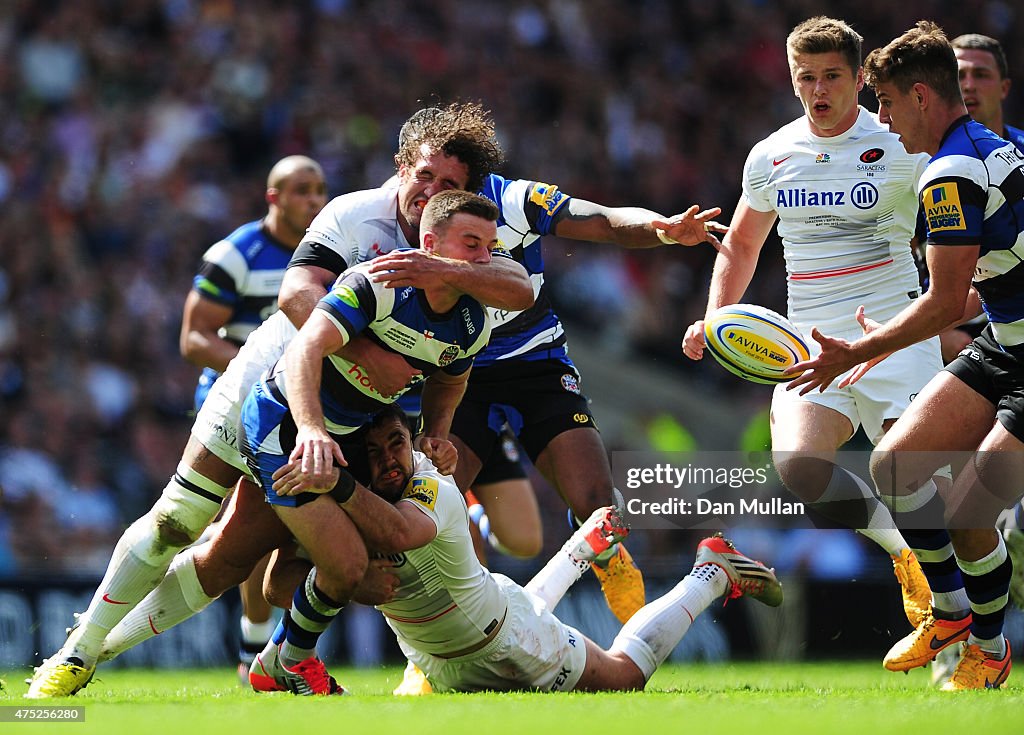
{"points": [[744, 698]]}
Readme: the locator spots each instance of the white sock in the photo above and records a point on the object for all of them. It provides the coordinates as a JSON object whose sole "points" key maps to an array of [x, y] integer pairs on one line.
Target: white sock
{"points": [[889, 539], [141, 557], [128, 579], [560, 573], [256, 634], [177, 598], [656, 629]]}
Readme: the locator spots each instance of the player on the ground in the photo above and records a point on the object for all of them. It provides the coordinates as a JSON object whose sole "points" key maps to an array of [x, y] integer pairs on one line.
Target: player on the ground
{"points": [[471, 630], [454, 149], [842, 189], [972, 197], [524, 376], [312, 401], [234, 291]]}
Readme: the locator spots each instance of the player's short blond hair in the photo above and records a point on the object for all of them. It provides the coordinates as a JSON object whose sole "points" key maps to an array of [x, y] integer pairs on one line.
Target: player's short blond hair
{"points": [[822, 35]]}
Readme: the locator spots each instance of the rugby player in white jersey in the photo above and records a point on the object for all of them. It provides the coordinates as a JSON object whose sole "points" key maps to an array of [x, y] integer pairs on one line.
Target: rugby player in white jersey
{"points": [[234, 291], [972, 197], [472, 630], [454, 149], [524, 376], [843, 191]]}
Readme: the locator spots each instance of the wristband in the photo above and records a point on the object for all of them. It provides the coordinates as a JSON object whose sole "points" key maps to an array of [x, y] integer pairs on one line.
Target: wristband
{"points": [[663, 236], [345, 486]]}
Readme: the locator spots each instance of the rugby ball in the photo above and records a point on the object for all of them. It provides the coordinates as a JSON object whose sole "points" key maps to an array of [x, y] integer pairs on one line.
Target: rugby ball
{"points": [[754, 343]]}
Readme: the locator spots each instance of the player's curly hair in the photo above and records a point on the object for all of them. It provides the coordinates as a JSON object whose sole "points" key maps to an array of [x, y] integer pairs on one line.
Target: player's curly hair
{"points": [[462, 129]]}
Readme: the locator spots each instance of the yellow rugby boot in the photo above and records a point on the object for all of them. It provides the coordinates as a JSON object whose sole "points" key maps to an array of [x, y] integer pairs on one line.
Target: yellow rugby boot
{"points": [[917, 595], [414, 683], [56, 678], [622, 584], [979, 670], [921, 646]]}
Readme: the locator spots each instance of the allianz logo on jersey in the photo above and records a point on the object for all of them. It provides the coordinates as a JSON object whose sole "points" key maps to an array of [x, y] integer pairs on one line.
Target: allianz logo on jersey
{"points": [[863, 195]]}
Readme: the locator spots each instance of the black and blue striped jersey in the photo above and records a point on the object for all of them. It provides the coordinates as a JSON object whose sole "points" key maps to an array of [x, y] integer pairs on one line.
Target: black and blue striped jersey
{"points": [[399, 320], [972, 192], [528, 210], [242, 272], [1015, 136]]}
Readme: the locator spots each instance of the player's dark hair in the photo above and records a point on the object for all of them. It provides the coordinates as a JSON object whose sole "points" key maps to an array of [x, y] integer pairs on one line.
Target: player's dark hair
{"points": [[464, 130], [922, 54], [389, 414], [979, 42], [822, 35]]}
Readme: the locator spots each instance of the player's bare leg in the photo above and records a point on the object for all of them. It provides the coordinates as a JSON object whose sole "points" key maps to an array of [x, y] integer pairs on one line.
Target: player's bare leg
{"points": [[248, 531], [187, 506], [256, 624], [805, 438], [513, 517]]}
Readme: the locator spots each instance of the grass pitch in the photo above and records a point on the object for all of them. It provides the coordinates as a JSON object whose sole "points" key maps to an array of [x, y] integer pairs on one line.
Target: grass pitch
{"points": [[755, 698]]}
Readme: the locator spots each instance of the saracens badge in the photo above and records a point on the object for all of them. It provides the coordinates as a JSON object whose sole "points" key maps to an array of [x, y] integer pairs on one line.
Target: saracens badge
{"points": [[570, 383], [448, 356]]}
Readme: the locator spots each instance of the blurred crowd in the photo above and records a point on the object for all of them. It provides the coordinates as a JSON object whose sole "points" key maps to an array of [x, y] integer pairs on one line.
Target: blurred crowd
{"points": [[135, 133]]}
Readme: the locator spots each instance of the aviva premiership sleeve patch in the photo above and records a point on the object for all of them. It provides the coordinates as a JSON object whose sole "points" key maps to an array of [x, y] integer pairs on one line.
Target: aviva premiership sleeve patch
{"points": [[422, 490], [942, 209], [547, 197]]}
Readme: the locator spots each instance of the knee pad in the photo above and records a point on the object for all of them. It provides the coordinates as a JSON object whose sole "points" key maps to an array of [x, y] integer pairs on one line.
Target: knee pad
{"points": [[187, 506]]}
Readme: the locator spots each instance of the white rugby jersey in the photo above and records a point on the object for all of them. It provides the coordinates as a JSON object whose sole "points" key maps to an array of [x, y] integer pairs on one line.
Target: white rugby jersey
{"points": [[445, 601], [847, 209], [353, 228]]}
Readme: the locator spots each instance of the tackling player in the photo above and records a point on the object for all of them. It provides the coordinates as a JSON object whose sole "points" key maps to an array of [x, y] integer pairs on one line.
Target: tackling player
{"points": [[472, 630], [454, 149], [233, 292]]}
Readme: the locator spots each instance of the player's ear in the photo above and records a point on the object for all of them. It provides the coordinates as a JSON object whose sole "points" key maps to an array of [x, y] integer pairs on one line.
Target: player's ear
{"points": [[429, 242], [273, 195]]}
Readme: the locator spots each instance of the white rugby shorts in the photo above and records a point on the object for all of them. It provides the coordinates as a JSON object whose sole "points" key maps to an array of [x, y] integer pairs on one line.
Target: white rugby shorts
{"points": [[218, 422], [533, 650], [884, 392]]}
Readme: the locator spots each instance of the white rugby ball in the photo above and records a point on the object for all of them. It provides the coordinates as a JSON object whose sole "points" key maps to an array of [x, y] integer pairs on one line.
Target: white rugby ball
{"points": [[754, 343]]}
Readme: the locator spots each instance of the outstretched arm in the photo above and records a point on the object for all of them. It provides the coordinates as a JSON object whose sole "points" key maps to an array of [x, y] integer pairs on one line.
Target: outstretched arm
{"points": [[635, 227], [734, 267]]}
